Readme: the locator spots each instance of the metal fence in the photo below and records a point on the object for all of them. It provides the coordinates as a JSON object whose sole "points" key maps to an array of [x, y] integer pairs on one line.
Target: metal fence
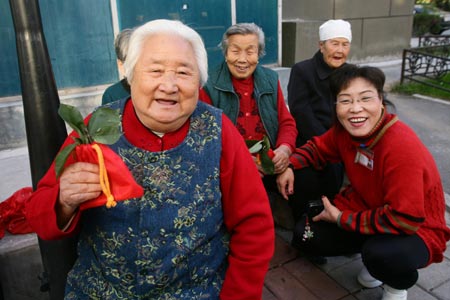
{"points": [[428, 63], [434, 40]]}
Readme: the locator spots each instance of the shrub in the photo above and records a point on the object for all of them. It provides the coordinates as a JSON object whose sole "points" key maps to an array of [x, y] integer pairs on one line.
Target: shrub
{"points": [[426, 23], [443, 4]]}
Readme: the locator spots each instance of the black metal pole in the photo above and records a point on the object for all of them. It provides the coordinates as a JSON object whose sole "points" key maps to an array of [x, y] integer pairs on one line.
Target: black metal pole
{"points": [[46, 131]]}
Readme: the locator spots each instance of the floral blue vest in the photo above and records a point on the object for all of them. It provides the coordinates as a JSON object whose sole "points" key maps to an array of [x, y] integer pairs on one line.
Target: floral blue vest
{"points": [[171, 243]]}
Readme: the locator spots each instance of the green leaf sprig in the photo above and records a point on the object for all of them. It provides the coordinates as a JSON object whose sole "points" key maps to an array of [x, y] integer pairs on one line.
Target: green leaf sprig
{"points": [[103, 127], [263, 153]]}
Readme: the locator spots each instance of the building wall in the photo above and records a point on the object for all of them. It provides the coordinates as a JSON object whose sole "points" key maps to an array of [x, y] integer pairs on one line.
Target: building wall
{"points": [[380, 28]]}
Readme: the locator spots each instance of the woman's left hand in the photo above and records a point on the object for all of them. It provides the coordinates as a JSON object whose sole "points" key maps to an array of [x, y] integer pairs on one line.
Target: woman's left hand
{"points": [[285, 183], [281, 158], [330, 213]]}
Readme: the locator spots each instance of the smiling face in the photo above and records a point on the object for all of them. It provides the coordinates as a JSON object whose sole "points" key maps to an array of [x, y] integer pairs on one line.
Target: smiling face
{"points": [[359, 107], [165, 84], [335, 51], [242, 55]]}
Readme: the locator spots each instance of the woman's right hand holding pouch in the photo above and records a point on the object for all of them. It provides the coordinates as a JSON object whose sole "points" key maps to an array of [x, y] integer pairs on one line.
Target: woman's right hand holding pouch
{"points": [[80, 182]]}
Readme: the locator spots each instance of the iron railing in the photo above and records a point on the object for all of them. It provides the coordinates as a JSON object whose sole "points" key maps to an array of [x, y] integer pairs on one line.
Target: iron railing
{"points": [[433, 40], [428, 63]]}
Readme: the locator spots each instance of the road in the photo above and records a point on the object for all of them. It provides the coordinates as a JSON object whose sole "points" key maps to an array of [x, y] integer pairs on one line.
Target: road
{"points": [[431, 121]]}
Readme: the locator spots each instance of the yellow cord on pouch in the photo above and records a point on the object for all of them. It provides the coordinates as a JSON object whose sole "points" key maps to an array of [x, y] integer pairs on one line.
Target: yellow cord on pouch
{"points": [[104, 181]]}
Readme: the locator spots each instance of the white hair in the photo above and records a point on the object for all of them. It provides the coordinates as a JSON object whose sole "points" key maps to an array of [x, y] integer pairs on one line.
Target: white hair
{"points": [[148, 29]]}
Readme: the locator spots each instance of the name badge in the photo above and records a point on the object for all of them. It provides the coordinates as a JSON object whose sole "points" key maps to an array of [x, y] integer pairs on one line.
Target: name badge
{"points": [[364, 157]]}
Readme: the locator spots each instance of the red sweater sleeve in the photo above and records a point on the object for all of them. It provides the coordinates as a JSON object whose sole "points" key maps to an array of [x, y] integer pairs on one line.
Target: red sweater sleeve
{"points": [[248, 218], [40, 207], [287, 130], [384, 220], [306, 156]]}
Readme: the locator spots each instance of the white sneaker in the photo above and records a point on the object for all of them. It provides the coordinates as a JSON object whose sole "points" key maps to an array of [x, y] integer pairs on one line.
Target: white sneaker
{"points": [[366, 280], [390, 293]]}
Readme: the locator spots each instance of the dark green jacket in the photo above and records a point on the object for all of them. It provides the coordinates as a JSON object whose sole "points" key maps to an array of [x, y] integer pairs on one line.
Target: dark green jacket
{"points": [[220, 89]]}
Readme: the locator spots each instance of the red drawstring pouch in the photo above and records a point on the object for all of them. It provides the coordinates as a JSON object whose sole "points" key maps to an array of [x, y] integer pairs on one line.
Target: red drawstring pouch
{"points": [[117, 182], [12, 217], [102, 128]]}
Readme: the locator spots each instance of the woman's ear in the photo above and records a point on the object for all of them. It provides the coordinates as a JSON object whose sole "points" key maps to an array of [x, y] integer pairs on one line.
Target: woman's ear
{"points": [[321, 46]]}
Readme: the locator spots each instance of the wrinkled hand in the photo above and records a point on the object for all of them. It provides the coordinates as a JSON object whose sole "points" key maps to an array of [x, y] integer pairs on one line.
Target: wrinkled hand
{"points": [[330, 213], [281, 158], [80, 182], [285, 183]]}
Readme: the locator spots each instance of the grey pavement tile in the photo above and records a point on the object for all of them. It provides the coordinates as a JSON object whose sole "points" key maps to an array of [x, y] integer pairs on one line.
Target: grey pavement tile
{"points": [[283, 253], [316, 281], [284, 286], [267, 295], [417, 293], [443, 291], [338, 261], [346, 274], [447, 252], [369, 294], [434, 275]]}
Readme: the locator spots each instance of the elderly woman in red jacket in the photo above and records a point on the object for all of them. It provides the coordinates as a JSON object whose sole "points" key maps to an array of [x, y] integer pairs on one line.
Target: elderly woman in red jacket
{"points": [[393, 210]]}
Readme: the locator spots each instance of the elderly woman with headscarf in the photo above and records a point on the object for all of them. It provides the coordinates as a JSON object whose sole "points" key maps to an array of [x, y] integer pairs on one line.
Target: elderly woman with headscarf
{"points": [[203, 227], [312, 106]]}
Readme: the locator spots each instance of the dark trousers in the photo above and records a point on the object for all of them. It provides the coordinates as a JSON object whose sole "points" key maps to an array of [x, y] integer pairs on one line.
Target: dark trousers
{"points": [[311, 184], [392, 259]]}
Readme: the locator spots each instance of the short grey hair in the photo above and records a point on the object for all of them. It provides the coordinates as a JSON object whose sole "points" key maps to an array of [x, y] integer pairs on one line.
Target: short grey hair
{"points": [[148, 29], [121, 43], [244, 29]]}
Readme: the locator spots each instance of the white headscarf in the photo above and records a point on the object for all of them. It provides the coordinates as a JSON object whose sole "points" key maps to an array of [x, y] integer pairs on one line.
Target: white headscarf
{"points": [[335, 29]]}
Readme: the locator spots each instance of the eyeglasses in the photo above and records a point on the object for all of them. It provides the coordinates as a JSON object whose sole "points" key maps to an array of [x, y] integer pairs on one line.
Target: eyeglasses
{"points": [[344, 101]]}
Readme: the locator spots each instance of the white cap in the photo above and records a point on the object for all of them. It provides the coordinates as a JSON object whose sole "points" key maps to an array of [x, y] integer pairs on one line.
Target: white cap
{"points": [[335, 29]]}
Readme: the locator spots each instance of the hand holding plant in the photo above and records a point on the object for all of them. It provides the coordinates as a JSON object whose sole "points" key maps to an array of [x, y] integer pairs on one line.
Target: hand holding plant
{"points": [[89, 145], [263, 154]]}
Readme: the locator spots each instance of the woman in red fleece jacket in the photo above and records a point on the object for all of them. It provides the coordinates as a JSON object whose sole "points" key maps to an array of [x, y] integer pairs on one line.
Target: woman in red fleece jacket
{"points": [[393, 210]]}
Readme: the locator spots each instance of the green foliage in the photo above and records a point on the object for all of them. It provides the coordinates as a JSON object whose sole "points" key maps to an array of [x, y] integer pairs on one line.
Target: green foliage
{"points": [[411, 87], [262, 149], [103, 127], [426, 23], [443, 4]]}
